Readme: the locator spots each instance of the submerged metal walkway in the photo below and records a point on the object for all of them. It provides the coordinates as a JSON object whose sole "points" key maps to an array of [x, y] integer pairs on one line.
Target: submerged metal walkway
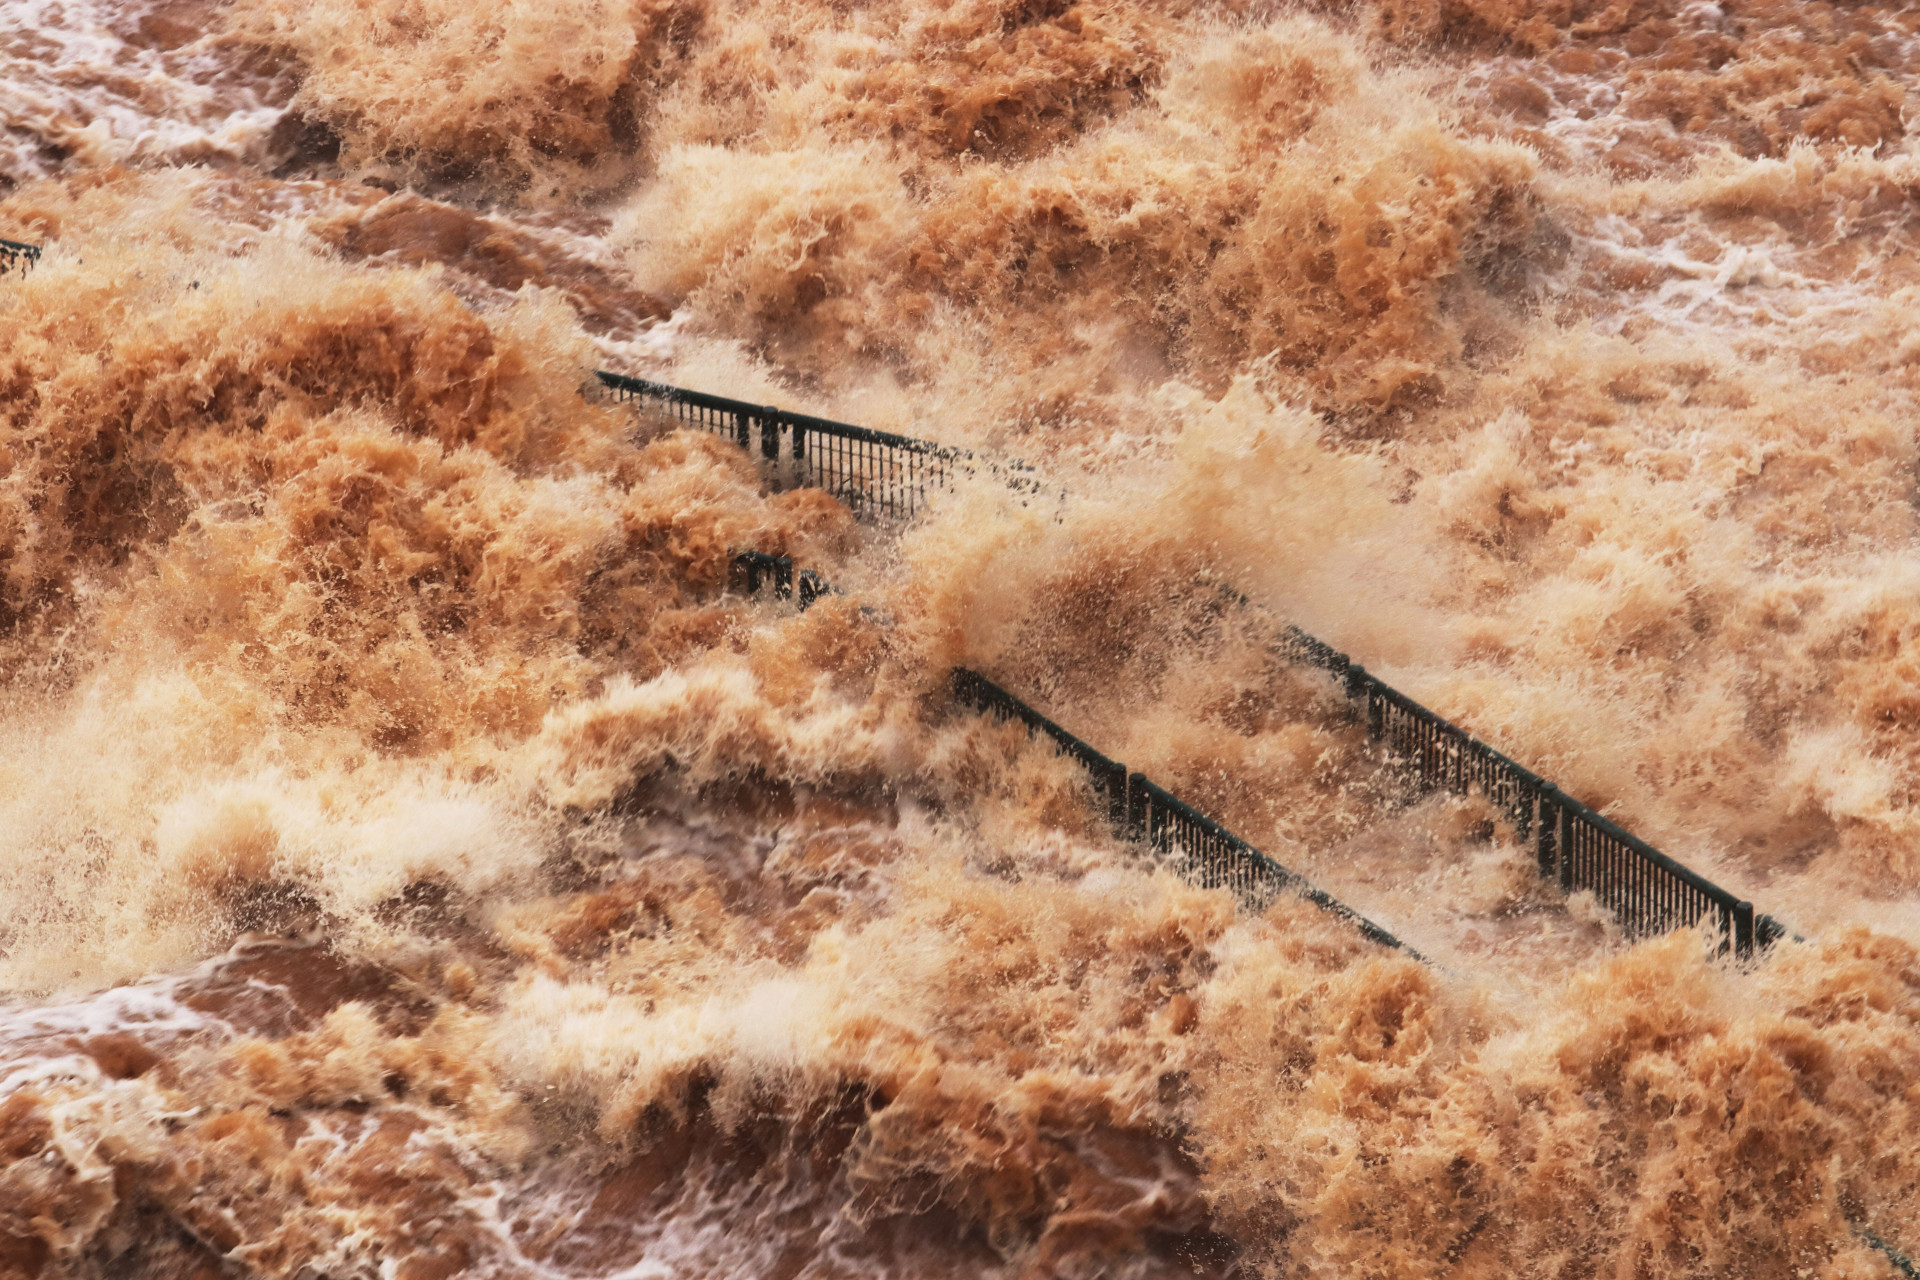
{"points": [[880, 474], [1649, 893]]}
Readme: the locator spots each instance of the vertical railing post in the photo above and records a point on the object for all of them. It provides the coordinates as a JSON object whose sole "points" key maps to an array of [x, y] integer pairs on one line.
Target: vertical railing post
{"points": [[1376, 711], [1743, 929], [743, 429], [770, 434], [1566, 848], [1137, 805], [15, 254], [1549, 827]]}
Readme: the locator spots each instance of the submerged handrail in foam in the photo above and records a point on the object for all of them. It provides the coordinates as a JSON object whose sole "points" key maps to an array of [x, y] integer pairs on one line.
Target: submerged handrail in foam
{"points": [[1575, 846], [1199, 849], [14, 253], [1901, 1263]]}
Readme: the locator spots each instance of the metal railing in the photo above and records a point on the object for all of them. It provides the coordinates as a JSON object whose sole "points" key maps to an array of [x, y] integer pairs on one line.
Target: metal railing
{"points": [[1111, 781], [752, 568], [1648, 892], [1901, 1263], [876, 473], [15, 254], [1199, 849]]}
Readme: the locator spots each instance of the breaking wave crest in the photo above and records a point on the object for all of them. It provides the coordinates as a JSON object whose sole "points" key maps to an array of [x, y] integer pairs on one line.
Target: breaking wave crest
{"points": [[419, 861]]}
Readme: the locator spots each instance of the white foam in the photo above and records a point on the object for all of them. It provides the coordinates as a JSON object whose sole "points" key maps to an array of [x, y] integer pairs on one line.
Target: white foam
{"points": [[70, 82]]}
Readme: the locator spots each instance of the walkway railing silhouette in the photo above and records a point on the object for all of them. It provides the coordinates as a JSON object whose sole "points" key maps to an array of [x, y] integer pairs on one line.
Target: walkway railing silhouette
{"points": [[1647, 891], [1575, 846], [1198, 849], [874, 472], [15, 254]]}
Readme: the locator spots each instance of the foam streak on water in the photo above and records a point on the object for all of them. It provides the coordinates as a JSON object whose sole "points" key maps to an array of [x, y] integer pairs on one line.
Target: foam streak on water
{"points": [[115, 84]]}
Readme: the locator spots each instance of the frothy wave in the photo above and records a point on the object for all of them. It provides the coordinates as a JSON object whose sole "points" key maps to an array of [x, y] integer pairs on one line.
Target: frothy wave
{"points": [[417, 860]]}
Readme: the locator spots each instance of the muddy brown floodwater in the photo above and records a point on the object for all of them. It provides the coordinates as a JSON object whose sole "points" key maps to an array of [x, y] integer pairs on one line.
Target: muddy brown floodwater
{"points": [[417, 862]]}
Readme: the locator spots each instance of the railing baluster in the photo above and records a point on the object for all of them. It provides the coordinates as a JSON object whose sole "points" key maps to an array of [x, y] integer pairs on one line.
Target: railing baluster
{"points": [[881, 474], [1206, 852], [15, 254]]}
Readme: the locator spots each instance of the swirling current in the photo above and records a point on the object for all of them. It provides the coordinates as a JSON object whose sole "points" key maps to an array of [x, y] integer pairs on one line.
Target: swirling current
{"points": [[417, 860]]}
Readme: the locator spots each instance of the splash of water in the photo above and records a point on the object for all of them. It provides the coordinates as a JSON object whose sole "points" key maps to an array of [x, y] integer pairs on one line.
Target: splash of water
{"points": [[416, 861]]}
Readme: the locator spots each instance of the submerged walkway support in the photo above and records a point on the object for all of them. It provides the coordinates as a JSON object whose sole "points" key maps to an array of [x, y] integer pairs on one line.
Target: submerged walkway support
{"points": [[15, 254], [1200, 849], [1197, 848], [1650, 894]]}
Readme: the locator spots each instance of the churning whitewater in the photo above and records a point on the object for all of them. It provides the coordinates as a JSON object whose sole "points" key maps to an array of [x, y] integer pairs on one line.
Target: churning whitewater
{"points": [[419, 859]]}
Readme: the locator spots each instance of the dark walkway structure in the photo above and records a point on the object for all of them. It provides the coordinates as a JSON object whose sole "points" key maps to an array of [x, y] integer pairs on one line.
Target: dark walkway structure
{"points": [[15, 254], [883, 475], [886, 477]]}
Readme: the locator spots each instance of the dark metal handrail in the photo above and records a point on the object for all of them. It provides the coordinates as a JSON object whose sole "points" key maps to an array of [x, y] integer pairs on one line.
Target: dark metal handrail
{"points": [[1110, 777], [751, 568], [875, 472], [1203, 851], [15, 254], [1901, 1263], [1208, 854], [1648, 892]]}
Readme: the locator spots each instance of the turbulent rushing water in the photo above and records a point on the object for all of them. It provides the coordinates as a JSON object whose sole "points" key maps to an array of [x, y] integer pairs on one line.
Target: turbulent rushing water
{"points": [[417, 863]]}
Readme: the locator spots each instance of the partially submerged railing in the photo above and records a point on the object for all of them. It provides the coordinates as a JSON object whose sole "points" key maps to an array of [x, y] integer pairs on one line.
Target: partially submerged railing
{"points": [[752, 568], [1901, 1263], [874, 472], [15, 254], [1200, 849], [1648, 892]]}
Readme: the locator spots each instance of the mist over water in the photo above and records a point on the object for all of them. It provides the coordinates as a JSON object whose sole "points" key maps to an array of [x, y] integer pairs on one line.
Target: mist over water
{"points": [[418, 862]]}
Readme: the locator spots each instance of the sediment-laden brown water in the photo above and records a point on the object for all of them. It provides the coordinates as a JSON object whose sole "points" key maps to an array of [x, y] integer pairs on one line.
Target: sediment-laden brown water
{"points": [[416, 861]]}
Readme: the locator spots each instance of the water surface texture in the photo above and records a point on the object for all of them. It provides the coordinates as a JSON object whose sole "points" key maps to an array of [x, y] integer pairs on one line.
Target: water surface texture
{"points": [[415, 861]]}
